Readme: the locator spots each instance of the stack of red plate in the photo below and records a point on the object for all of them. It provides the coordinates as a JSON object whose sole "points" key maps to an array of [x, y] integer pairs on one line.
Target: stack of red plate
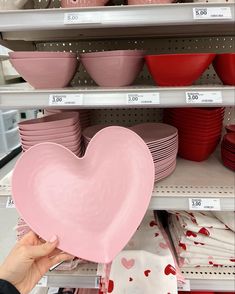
{"points": [[228, 151], [199, 130], [161, 139], [62, 128], [84, 115]]}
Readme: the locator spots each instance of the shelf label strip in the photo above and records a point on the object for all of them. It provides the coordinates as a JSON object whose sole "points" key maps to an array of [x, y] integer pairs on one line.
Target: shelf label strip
{"points": [[204, 97], [204, 204], [65, 99], [142, 98], [212, 13]]}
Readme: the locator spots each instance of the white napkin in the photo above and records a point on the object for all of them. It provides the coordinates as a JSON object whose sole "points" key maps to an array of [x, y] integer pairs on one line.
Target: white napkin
{"points": [[227, 217]]}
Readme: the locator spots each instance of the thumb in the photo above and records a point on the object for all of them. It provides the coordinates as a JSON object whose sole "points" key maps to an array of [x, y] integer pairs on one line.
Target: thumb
{"points": [[44, 249]]}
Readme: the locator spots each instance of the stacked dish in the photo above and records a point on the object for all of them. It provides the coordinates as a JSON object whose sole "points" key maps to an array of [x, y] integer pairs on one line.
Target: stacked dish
{"points": [[45, 70], [224, 65], [178, 69], [12, 4], [113, 68], [84, 115], [146, 2], [82, 3], [161, 139], [199, 130], [230, 128], [228, 151], [62, 128]]}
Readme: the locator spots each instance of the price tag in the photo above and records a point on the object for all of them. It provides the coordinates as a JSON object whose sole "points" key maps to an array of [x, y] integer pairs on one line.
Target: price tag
{"points": [[204, 97], [184, 286], [212, 13], [53, 290], [143, 98], [43, 282], [81, 18], [65, 99], [204, 204], [10, 203]]}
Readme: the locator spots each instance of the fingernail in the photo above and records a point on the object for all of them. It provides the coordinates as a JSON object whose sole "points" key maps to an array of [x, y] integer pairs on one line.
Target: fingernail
{"points": [[53, 239]]}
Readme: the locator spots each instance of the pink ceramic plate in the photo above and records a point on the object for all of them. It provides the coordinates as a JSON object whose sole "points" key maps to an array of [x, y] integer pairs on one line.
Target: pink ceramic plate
{"points": [[113, 53], [74, 138], [51, 137], [98, 205], [151, 132], [38, 54], [59, 120], [163, 146]]}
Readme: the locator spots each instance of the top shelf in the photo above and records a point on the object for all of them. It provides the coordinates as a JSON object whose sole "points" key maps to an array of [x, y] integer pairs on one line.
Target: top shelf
{"points": [[103, 22]]}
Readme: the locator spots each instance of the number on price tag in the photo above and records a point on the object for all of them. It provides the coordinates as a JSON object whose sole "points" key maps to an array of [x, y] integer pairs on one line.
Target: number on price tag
{"points": [[81, 18], [184, 286], [204, 97], [204, 204], [10, 203], [143, 98], [212, 13], [43, 282], [65, 99]]}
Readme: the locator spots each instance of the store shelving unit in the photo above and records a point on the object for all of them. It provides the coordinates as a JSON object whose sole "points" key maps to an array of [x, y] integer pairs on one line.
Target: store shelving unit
{"points": [[48, 29]]}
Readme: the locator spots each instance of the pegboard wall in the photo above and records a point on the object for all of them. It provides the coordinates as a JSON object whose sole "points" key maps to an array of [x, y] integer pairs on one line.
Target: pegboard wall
{"points": [[152, 46]]}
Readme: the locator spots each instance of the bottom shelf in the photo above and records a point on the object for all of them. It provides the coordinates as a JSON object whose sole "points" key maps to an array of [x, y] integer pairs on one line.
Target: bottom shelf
{"points": [[85, 276]]}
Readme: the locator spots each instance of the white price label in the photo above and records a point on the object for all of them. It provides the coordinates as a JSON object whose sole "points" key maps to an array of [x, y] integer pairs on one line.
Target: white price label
{"points": [[143, 98], [65, 99], [212, 13], [204, 204], [184, 286], [81, 18], [10, 203], [204, 97], [43, 282]]}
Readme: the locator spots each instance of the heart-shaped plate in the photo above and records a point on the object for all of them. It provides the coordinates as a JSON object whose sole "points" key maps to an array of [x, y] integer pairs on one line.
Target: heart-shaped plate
{"points": [[93, 204]]}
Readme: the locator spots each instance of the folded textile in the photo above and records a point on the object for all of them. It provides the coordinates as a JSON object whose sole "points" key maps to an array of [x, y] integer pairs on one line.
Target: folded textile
{"points": [[227, 217], [202, 219], [146, 264]]}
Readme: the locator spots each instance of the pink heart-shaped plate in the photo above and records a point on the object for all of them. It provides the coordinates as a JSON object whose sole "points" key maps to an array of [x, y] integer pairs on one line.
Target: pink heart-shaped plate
{"points": [[93, 204]]}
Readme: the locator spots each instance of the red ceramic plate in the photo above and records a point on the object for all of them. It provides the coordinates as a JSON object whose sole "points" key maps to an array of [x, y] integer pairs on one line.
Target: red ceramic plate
{"points": [[230, 128], [230, 138], [224, 65], [178, 69]]}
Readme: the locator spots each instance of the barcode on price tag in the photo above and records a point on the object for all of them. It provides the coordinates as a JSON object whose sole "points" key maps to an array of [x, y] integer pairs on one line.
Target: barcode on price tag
{"points": [[43, 282], [184, 286], [204, 97], [81, 18], [204, 204], [143, 98], [212, 13], [10, 203], [65, 99]]}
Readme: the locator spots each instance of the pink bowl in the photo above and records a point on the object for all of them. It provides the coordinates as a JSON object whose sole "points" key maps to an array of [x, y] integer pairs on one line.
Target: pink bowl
{"points": [[82, 3], [46, 73], [144, 2], [113, 53], [39, 54], [114, 71]]}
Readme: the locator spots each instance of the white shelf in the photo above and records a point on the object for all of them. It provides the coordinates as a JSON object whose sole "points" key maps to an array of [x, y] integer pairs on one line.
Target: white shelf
{"points": [[23, 96], [103, 22], [208, 179], [85, 276]]}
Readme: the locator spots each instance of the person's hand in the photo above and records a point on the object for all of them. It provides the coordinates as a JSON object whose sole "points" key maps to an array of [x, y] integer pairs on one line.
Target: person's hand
{"points": [[29, 260]]}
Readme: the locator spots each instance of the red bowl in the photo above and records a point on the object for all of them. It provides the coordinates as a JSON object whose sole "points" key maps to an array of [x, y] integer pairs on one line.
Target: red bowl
{"points": [[178, 69], [224, 65], [230, 139], [230, 128]]}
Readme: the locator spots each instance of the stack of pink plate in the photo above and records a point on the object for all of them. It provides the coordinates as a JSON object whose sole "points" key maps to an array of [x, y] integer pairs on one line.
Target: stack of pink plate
{"points": [[62, 128], [228, 151], [161, 139], [84, 115], [199, 130]]}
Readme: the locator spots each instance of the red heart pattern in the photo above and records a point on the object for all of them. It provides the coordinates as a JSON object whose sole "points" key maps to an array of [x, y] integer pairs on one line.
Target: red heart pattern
{"points": [[147, 272], [128, 264], [169, 269], [204, 231]]}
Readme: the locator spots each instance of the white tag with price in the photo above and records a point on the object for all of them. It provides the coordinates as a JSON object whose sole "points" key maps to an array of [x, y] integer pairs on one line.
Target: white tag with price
{"points": [[43, 282], [10, 203], [65, 99], [212, 13], [184, 286], [204, 204], [143, 98], [204, 97], [81, 18]]}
